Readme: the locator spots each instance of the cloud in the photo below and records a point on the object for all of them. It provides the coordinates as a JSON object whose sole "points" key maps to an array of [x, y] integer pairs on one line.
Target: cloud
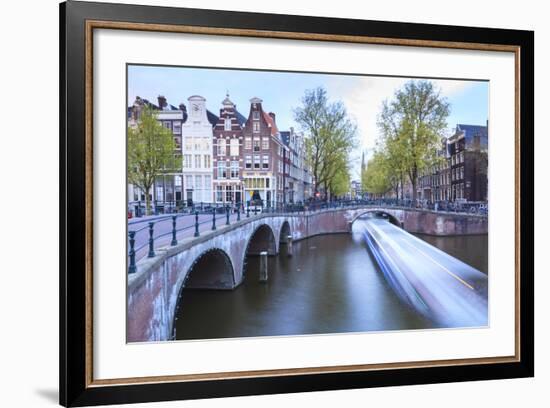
{"points": [[363, 97]]}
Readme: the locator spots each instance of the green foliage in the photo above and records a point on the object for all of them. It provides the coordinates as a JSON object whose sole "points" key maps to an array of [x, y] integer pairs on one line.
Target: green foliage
{"points": [[340, 183], [331, 137], [150, 152], [376, 177], [412, 125]]}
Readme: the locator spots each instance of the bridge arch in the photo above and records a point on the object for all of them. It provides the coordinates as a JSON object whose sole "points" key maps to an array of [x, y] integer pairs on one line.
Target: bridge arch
{"points": [[212, 269], [394, 219], [284, 232], [261, 239]]}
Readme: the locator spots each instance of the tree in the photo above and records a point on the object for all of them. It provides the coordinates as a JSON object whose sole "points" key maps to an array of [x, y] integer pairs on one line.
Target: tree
{"points": [[412, 125], [150, 152], [331, 136], [375, 179], [340, 183]]}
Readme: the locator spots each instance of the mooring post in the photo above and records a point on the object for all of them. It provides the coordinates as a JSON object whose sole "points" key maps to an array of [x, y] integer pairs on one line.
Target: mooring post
{"points": [[289, 245], [263, 266]]}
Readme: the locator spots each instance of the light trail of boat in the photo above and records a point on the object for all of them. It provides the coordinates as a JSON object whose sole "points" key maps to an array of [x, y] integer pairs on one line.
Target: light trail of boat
{"points": [[439, 286]]}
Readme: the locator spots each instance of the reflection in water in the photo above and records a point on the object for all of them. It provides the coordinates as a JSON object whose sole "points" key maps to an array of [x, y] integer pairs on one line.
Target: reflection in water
{"points": [[469, 249], [330, 285]]}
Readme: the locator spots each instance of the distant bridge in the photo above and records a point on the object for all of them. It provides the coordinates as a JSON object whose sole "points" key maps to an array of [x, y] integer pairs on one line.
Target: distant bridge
{"points": [[216, 259]]}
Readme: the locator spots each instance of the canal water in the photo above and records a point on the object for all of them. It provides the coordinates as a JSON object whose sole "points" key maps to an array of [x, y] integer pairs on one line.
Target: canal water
{"points": [[331, 284]]}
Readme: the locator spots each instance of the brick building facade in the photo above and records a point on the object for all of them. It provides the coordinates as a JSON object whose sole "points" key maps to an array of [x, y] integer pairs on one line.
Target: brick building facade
{"points": [[461, 174], [263, 156], [228, 155]]}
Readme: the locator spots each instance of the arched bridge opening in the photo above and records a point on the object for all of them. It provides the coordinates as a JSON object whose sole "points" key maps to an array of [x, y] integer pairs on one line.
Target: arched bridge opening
{"points": [[285, 232], [261, 240], [381, 214], [211, 270]]}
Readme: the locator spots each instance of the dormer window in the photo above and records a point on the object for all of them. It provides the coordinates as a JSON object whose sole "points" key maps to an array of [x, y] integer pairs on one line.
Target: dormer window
{"points": [[256, 115], [256, 127], [227, 124]]}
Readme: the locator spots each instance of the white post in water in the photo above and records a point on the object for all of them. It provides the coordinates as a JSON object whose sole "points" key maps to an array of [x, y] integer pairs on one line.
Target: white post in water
{"points": [[289, 245], [263, 266]]}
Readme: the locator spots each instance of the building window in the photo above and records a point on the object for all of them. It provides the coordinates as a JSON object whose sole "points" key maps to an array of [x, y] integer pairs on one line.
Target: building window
{"points": [[235, 169], [189, 182], [197, 144], [228, 193], [255, 183], [207, 182], [248, 162], [227, 124], [160, 193], [219, 193], [265, 162], [198, 161], [256, 145], [221, 147], [256, 127], [198, 182], [234, 147], [256, 115], [265, 143], [221, 170], [267, 182], [187, 161], [177, 127], [167, 125], [206, 161], [256, 162], [248, 143]]}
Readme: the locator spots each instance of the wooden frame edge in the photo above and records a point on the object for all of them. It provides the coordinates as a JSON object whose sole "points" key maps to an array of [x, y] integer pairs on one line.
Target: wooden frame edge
{"points": [[189, 29]]}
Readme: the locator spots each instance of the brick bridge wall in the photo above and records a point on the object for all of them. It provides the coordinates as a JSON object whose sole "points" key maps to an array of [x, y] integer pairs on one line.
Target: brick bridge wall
{"points": [[153, 291]]}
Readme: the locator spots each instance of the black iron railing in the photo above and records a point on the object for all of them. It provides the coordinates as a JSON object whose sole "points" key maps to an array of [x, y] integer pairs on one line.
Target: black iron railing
{"points": [[150, 232]]}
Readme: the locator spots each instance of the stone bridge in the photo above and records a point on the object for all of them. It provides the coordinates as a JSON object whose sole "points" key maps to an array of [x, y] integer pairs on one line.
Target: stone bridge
{"points": [[216, 259]]}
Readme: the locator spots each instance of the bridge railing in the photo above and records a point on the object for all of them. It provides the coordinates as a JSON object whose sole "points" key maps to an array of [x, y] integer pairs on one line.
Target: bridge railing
{"points": [[145, 234]]}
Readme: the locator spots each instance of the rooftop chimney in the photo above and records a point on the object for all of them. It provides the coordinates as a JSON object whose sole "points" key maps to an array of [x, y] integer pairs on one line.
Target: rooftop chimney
{"points": [[272, 116], [162, 101]]}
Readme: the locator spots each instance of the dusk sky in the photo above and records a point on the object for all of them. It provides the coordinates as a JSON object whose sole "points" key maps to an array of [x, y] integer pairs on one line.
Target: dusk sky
{"points": [[282, 92]]}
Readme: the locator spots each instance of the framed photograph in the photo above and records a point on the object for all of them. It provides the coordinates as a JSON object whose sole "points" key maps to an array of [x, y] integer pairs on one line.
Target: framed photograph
{"points": [[256, 203]]}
